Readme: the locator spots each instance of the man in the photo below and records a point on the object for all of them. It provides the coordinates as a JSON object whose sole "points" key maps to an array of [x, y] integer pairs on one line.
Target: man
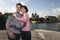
{"points": [[13, 26]]}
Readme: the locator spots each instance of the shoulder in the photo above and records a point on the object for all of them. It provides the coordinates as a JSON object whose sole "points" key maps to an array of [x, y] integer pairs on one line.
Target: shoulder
{"points": [[26, 15], [9, 16]]}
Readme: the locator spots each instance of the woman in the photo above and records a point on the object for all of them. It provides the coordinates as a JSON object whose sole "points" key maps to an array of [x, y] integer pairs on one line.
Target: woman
{"points": [[25, 30]]}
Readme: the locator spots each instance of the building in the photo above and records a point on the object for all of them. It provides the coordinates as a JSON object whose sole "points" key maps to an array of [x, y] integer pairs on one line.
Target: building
{"points": [[51, 19]]}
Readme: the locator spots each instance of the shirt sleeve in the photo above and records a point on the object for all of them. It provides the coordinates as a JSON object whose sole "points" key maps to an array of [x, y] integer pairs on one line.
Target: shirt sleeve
{"points": [[23, 19], [9, 19]]}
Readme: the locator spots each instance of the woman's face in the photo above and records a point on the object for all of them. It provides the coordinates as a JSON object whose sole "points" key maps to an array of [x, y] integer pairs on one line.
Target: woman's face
{"points": [[23, 10]]}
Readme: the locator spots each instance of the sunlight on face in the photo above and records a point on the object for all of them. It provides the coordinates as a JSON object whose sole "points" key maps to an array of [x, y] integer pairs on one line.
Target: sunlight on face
{"points": [[23, 10], [18, 7]]}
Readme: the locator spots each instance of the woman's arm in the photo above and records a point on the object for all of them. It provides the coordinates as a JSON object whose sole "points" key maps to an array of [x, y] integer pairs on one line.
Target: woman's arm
{"points": [[23, 19]]}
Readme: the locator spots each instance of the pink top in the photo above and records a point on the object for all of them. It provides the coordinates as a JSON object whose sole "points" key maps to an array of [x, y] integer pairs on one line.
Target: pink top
{"points": [[25, 19]]}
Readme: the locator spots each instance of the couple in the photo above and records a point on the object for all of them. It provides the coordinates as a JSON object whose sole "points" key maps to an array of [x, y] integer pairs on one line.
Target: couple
{"points": [[18, 24]]}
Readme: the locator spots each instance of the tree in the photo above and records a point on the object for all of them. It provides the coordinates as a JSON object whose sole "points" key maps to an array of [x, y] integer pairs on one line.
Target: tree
{"points": [[0, 13], [5, 15], [3, 18], [59, 18], [42, 19]]}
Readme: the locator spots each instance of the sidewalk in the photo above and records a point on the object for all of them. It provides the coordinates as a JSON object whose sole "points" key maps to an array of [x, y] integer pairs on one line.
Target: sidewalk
{"points": [[3, 35], [37, 34]]}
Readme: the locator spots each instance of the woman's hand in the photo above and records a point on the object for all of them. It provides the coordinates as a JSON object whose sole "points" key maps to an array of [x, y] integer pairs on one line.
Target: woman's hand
{"points": [[14, 15]]}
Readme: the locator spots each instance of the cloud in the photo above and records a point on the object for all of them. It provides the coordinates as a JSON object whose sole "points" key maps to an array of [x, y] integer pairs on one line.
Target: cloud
{"points": [[7, 10], [12, 9], [43, 13], [53, 12], [22, 3], [15, 0], [9, 5], [2, 10], [1, 1], [56, 10], [52, 4]]}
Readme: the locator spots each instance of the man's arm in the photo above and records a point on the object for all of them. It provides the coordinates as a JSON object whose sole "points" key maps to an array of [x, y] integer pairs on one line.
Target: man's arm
{"points": [[8, 24], [7, 27]]}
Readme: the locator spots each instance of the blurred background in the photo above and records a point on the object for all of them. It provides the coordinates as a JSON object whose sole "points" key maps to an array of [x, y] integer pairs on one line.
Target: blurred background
{"points": [[43, 14]]}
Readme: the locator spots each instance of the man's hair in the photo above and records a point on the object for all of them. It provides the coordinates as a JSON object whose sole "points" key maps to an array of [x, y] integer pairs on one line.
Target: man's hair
{"points": [[19, 4], [25, 8]]}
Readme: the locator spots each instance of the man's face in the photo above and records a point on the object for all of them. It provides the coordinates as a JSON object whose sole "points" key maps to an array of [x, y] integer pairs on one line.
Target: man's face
{"points": [[18, 7]]}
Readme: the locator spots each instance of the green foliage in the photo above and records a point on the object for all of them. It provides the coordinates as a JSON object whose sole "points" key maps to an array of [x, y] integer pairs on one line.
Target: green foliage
{"points": [[59, 18], [3, 18]]}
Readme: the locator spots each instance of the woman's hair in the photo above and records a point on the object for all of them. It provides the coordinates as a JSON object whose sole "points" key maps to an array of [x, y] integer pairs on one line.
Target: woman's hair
{"points": [[25, 8]]}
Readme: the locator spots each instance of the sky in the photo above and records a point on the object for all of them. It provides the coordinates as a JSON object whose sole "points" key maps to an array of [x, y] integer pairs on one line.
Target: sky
{"points": [[41, 7]]}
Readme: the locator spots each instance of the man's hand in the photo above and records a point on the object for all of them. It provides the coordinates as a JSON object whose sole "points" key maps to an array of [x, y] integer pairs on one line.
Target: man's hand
{"points": [[11, 35]]}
